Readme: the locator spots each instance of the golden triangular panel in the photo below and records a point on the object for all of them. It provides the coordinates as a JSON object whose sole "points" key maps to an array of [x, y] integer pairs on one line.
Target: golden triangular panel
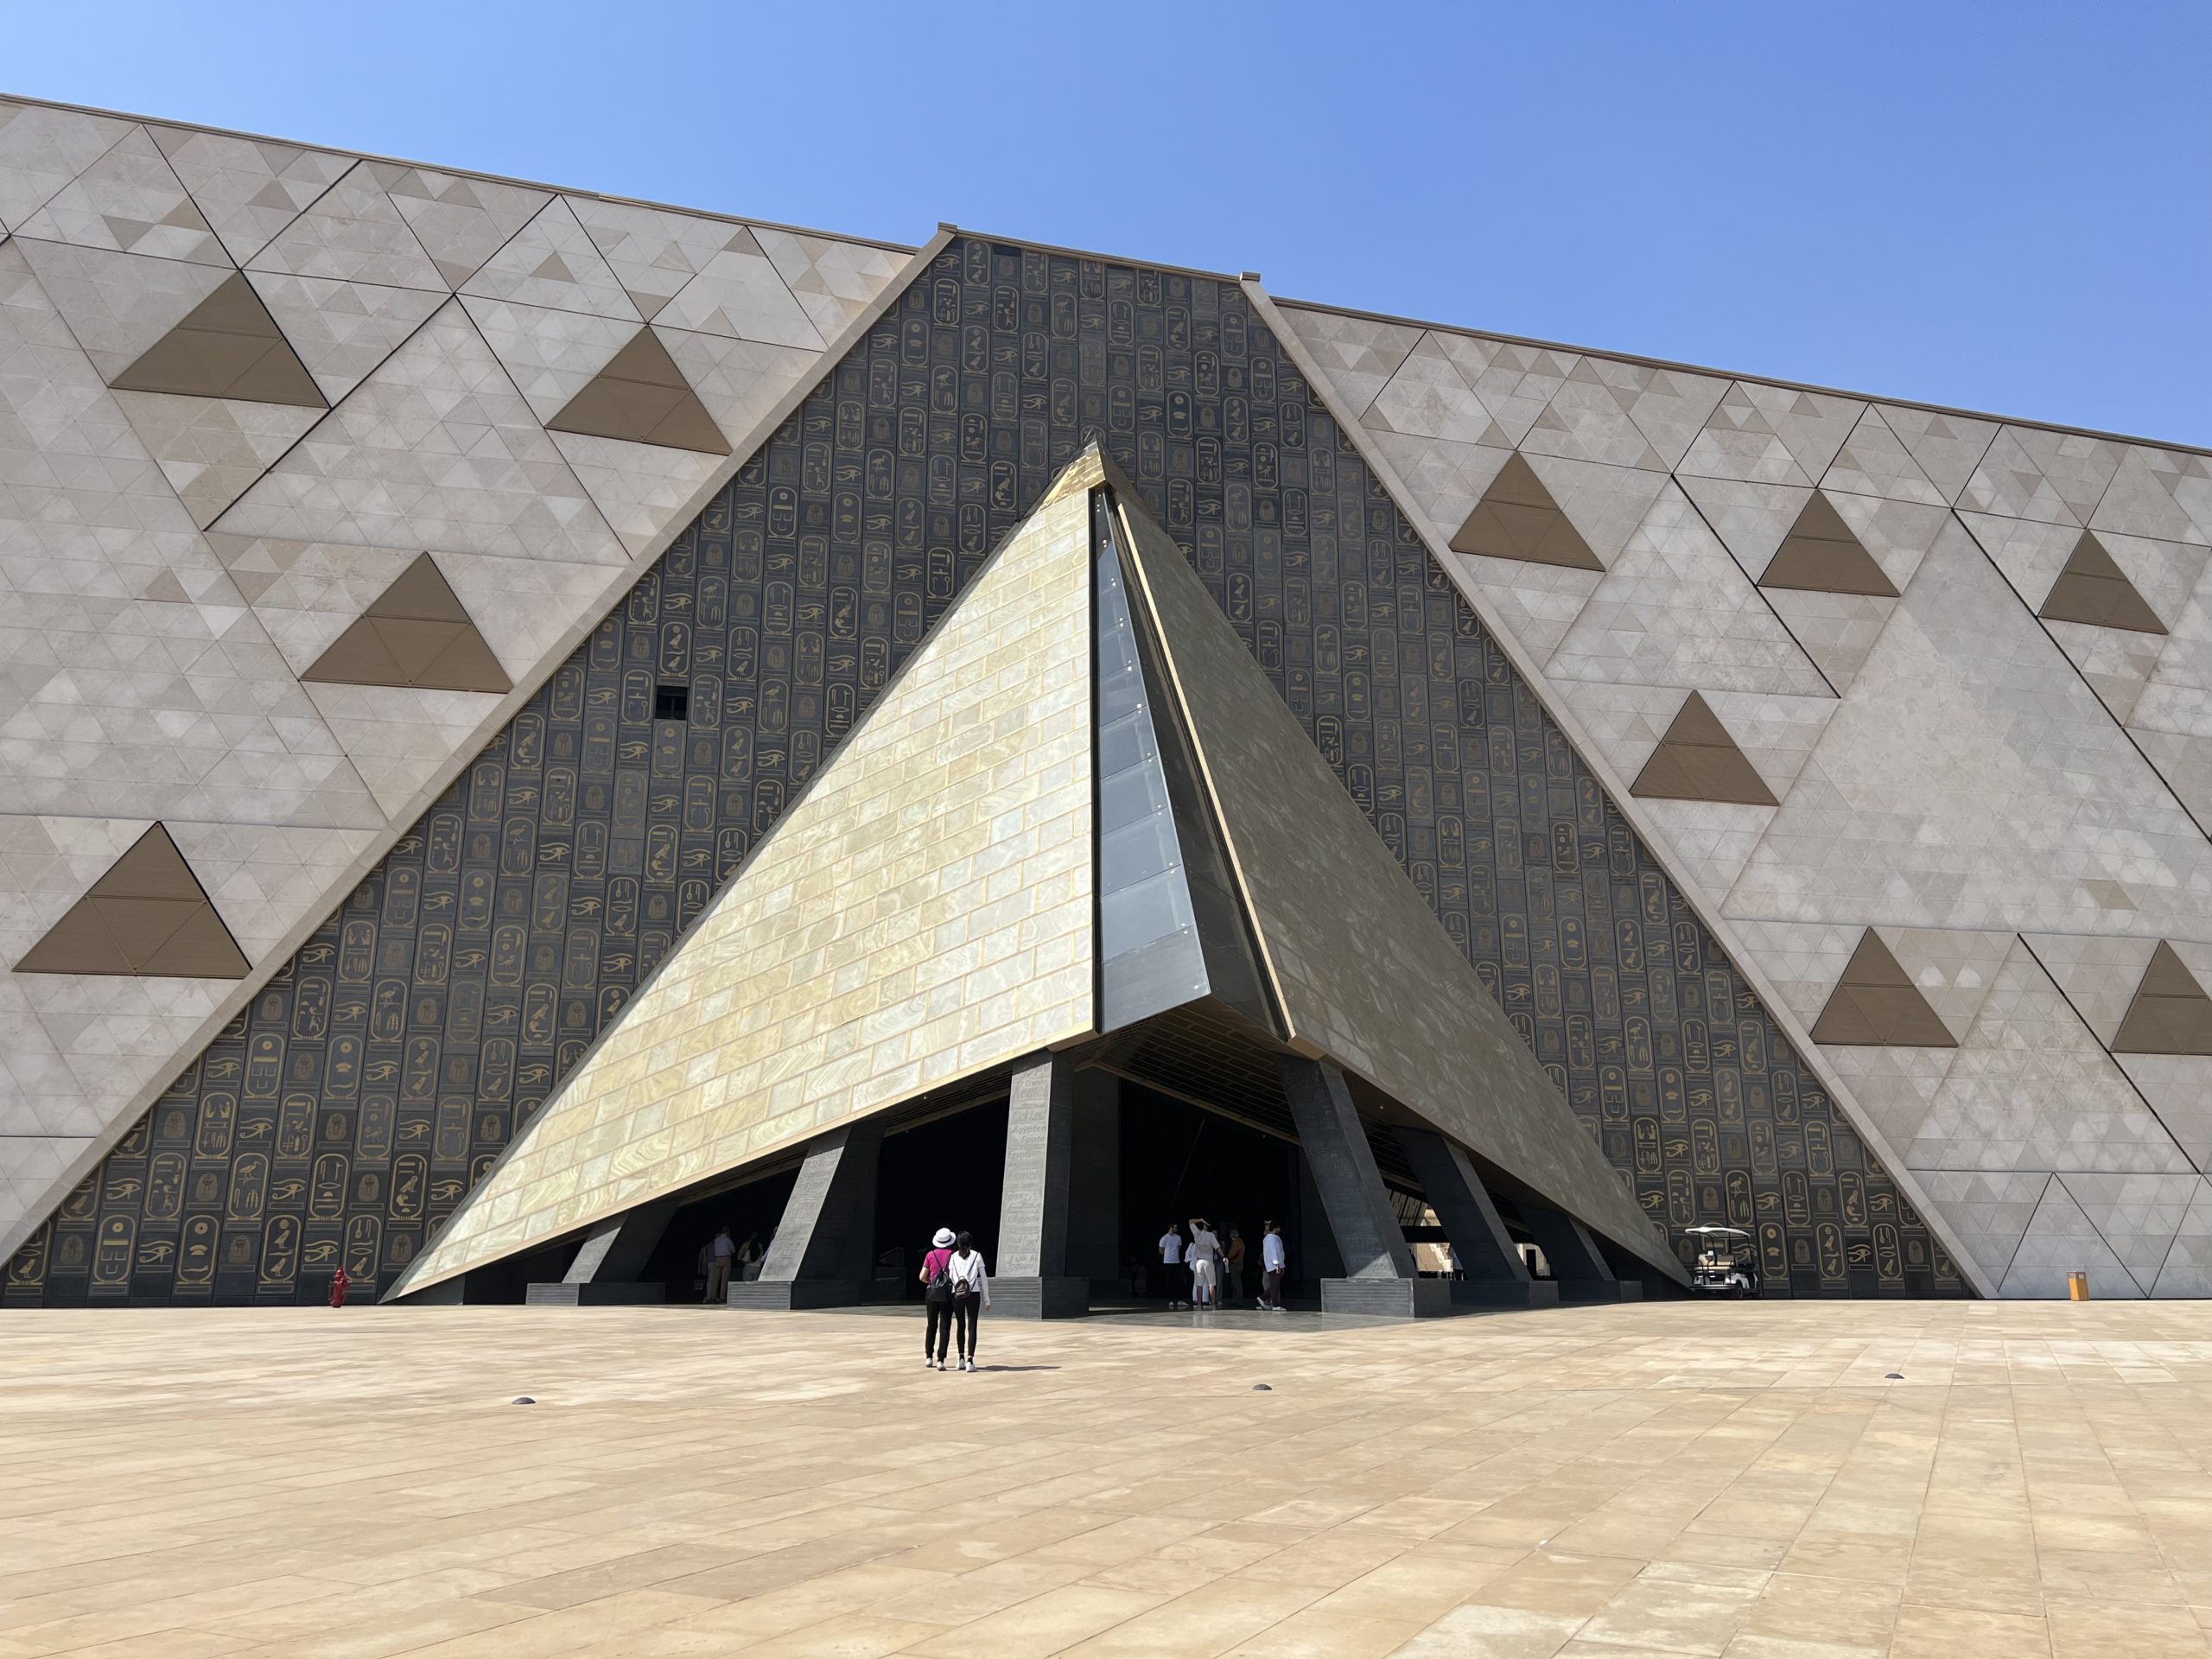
{"points": [[1877, 1005], [1697, 761], [977, 755], [2170, 1013], [147, 916], [227, 346], [1822, 555], [416, 633], [641, 396], [1517, 519], [2092, 588]]}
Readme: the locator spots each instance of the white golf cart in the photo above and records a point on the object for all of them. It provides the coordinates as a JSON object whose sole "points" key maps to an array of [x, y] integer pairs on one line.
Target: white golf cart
{"points": [[1728, 1262]]}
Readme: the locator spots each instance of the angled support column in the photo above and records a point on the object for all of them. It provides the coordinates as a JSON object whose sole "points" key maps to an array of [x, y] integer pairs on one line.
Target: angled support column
{"points": [[1032, 1280], [1497, 1275], [824, 1251], [1379, 1274], [607, 1269], [1576, 1262]]}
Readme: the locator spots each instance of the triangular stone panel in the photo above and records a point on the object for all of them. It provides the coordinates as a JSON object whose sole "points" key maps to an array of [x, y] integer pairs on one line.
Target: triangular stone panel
{"points": [[1516, 519], [2033, 1088], [148, 917], [1357, 355], [781, 1014], [248, 188], [1697, 761], [227, 346], [1968, 782], [2092, 588], [1946, 447], [1821, 554], [641, 396], [414, 633], [1873, 461], [131, 201], [2137, 1216], [2170, 1014], [1989, 1212], [2187, 1270], [1674, 609], [436, 449], [460, 222], [354, 233], [2061, 1241], [1877, 1004]]}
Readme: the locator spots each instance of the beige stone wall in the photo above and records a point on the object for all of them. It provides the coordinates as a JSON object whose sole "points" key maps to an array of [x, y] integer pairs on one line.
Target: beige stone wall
{"points": [[923, 912]]}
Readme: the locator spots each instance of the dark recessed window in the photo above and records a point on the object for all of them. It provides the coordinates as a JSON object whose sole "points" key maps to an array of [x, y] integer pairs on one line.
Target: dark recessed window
{"points": [[671, 703]]}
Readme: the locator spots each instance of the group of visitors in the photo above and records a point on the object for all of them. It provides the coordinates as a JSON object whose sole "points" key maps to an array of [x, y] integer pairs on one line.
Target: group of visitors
{"points": [[955, 1290], [1203, 1271], [719, 1259]]}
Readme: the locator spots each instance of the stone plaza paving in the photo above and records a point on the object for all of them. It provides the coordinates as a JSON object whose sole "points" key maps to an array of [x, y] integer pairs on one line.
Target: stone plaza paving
{"points": [[1740, 1480]]}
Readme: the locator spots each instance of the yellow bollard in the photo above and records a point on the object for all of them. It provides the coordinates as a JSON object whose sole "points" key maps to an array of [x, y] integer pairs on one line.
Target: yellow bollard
{"points": [[2077, 1286]]}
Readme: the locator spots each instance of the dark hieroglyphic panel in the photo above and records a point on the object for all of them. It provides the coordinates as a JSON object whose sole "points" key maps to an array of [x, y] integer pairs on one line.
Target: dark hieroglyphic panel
{"points": [[343, 1116]]}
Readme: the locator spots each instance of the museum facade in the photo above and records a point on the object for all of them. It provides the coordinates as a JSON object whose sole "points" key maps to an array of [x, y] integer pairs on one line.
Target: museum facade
{"points": [[536, 722]]}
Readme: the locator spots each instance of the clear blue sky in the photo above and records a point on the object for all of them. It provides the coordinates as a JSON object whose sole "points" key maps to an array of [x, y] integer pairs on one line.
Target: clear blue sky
{"points": [[2004, 205]]}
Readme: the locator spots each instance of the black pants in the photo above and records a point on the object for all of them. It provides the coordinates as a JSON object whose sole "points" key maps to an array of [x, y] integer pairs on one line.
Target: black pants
{"points": [[965, 1312], [939, 1332]]}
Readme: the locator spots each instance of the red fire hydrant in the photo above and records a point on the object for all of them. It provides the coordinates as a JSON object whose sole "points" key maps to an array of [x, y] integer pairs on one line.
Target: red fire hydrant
{"points": [[338, 1288]]}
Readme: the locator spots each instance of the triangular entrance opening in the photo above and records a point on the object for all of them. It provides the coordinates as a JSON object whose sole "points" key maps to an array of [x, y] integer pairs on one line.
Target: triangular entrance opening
{"points": [[1822, 555], [228, 345], [416, 633], [1697, 761], [1877, 1005], [1517, 519], [2170, 1013], [147, 917], [641, 396], [2092, 588]]}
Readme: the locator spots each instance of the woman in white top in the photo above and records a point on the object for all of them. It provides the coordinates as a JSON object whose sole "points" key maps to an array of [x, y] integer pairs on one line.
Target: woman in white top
{"points": [[1206, 1263], [971, 1295]]}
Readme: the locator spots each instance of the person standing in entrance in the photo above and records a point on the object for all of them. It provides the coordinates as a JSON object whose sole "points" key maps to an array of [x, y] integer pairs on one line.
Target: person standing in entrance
{"points": [[971, 1295], [1204, 1256], [1171, 1266], [748, 1257], [1232, 1269], [1272, 1262], [937, 1294], [718, 1267]]}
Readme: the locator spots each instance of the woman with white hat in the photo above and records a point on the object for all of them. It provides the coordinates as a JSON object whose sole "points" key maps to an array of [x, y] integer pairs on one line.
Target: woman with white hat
{"points": [[937, 1294]]}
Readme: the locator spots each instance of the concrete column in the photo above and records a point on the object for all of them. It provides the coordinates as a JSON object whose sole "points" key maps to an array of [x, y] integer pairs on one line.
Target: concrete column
{"points": [[1379, 1276], [1094, 1188], [1497, 1276], [1575, 1260], [1031, 1278], [605, 1269], [824, 1255]]}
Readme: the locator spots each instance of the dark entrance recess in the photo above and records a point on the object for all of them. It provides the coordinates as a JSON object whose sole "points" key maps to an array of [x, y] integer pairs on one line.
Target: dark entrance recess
{"points": [[944, 1172], [753, 1209], [1179, 1161], [671, 703]]}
